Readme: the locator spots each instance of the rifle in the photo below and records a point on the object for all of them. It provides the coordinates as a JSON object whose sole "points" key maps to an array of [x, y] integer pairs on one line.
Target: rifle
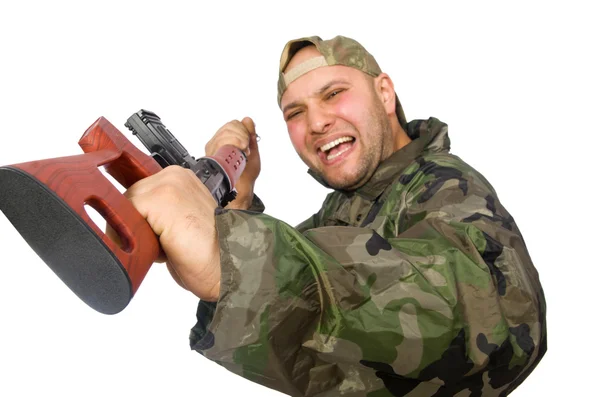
{"points": [[45, 201]]}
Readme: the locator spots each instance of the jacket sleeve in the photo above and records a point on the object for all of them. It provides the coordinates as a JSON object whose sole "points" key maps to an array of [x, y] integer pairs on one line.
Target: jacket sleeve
{"points": [[441, 298]]}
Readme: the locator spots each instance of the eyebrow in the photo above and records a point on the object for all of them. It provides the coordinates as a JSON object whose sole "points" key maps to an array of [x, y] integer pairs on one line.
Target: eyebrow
{"points": [[318, 92]]}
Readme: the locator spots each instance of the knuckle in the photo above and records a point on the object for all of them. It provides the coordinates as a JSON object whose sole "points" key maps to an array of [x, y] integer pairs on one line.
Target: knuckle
{"points": [[174, 171], [232, 125], [242, 141], [237, 140], [233, 133], [167, 193], [209, 147]]}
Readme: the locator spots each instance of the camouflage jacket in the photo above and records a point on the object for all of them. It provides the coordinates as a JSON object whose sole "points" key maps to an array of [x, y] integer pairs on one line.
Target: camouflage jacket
{"points": [[417, 284]]}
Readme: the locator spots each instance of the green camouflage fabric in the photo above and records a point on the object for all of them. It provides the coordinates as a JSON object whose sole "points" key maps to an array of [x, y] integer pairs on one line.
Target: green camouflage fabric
{"points": [[337, 51], [417, 284]]}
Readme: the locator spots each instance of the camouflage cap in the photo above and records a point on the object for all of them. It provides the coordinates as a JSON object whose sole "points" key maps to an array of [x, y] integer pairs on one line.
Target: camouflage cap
{"points": [[338, 51]]}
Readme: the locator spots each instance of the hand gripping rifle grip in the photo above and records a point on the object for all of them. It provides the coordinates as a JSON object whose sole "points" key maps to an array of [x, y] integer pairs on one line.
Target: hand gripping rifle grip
{"points": [[221, 171], [45, 201]]}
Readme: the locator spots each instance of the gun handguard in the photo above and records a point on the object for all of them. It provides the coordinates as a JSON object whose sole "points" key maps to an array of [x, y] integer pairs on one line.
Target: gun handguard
{"points": [[45, 200]]}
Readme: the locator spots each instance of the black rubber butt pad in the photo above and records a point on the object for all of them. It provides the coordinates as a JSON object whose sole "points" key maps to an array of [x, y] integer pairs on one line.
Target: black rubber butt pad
{"points": [[64, 242]]}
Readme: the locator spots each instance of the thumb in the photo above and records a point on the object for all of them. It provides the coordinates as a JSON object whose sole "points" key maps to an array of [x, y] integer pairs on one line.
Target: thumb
{"points": [[249, 124], [251, 127]]}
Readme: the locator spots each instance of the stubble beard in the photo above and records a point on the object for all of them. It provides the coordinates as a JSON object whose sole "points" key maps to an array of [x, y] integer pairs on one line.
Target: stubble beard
{"points": [[377, 147]]}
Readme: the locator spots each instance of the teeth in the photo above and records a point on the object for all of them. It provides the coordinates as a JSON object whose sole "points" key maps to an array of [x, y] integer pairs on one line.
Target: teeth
{"points": [[333, 144], [332, 156]]}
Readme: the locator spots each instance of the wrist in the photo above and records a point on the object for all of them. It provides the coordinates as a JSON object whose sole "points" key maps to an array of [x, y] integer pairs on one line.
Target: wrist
{"points": [[207, 282]]}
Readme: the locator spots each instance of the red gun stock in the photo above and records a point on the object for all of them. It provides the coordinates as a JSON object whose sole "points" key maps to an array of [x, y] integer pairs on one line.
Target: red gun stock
{"points": [[45, 200]]}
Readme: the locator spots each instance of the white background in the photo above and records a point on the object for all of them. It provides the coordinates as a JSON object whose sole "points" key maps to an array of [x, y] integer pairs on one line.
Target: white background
{"points": [[517, 84]]}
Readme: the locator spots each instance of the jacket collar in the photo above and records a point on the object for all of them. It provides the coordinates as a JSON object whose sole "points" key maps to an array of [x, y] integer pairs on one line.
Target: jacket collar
{"points": [[428, 136]]}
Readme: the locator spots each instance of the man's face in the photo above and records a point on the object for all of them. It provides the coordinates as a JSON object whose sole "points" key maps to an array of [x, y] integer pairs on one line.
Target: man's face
{"points": [[336, 122]]}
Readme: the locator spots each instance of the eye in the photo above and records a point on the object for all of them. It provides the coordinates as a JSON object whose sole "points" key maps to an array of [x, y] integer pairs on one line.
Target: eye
{"points": [[334, 93], [293, 114]]}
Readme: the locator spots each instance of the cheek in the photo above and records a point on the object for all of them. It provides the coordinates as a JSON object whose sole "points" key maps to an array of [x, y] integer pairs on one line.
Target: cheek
{"points": [[297, 136], [350, 111]]}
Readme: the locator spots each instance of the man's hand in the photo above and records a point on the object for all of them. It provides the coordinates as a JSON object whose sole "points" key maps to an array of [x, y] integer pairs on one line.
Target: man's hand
{"points": [[180, 210], [242, 135]]}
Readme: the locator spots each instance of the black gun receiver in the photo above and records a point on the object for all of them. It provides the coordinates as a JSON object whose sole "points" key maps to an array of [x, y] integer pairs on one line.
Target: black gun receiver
{"points": [[218, 173]]}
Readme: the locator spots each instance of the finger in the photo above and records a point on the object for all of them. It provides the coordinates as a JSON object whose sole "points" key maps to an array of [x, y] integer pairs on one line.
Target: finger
{"points": [[249, 124], [172, 175], [253, 145], [143, 204], [241, 142], [233, 133], [234, 127], [150, 204], [251, 127]]}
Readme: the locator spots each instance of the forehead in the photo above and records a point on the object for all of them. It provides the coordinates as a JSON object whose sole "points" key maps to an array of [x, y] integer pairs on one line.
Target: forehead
{"points": [[310, 83]]}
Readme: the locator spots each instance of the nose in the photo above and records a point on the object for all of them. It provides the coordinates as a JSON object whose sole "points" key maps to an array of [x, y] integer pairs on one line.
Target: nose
{"points": [[320, 119]]}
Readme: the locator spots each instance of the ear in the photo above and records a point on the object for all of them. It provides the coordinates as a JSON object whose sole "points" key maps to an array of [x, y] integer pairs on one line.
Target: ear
{"points": [[385, 90]]}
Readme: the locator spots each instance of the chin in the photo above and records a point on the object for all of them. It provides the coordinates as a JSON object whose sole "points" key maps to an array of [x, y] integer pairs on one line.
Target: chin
{"points": [[353, 179], [349, 183]]}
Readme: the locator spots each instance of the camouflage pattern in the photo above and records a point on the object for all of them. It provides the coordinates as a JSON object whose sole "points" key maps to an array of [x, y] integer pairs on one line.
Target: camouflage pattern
{"points": [[337, 51], [417, 284]]}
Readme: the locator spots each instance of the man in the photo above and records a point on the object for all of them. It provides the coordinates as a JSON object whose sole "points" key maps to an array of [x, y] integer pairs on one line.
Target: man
{"points": [[411, 280]]}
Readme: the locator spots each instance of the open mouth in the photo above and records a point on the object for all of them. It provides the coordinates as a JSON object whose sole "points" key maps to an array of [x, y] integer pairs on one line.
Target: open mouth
{"points": [[332, 150]]}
